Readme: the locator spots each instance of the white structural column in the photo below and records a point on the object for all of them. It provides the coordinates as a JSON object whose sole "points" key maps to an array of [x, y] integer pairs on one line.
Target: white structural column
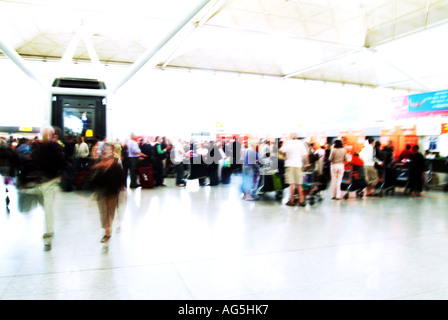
{"points": [[150, 53]]}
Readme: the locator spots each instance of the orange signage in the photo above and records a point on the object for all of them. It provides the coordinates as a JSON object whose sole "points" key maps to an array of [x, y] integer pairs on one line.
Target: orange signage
{"points": [[444, 128]]}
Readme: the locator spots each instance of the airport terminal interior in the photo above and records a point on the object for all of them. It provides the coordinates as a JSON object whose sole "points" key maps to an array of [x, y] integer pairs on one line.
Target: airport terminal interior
{"points": [[200, 71]]}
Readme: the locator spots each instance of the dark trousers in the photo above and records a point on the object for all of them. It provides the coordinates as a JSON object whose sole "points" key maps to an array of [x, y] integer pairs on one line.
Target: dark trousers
{"points": [[158, 172], [180, 173], [133, 163], [213, 175]]}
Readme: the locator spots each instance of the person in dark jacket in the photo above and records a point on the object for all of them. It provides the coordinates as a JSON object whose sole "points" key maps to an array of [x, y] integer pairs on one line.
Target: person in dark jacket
{"points": [[213, 163], [416, 172], [148, 150]]}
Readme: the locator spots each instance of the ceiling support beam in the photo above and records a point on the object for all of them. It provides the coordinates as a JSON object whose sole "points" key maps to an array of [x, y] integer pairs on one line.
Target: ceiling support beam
{"points": [[273, 34], [149, 54], [90, 48], [70, 51], [316, 66], [406, 74], [81, 33], [17, 59], [215, 8]]}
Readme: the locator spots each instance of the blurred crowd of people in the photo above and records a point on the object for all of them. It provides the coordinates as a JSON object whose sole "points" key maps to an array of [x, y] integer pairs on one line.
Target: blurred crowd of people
{"points": [[42, 165]]}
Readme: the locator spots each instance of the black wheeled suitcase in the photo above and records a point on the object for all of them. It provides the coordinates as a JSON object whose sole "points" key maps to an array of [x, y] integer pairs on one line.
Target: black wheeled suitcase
{"points": [[226, 174]]}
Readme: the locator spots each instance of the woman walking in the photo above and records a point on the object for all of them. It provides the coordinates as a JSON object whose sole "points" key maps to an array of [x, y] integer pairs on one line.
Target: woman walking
{"points": [[108, 181]]}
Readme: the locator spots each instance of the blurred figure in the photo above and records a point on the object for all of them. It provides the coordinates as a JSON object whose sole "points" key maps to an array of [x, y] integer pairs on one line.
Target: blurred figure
{"points": [[338, 157], [296, 155], [320, 153], [95, 151], [148, 150], [159, 157], [169, 167], [134, 153], [202, 153], [118, 152], [416, 171], [368, 156], [250, 172], [213, 163], [236, 160], [81, 153], [379, 155], [48, 164], [406, 154], [101, 141], [68, 176], [9, 162], [108, 183], [388, 155], [178, 156]]}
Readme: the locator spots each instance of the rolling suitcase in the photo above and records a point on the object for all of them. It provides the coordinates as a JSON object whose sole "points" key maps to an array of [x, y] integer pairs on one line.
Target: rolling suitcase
{"points": [[81, 180], [146, 177], [226, 174]]}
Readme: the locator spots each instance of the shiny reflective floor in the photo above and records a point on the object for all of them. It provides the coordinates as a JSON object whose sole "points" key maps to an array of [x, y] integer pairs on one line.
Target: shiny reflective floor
{"points": [[206, 243]]}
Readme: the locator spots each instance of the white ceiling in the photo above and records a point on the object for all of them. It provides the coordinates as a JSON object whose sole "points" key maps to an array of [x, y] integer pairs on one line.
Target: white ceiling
{"points": [[379, 43]]}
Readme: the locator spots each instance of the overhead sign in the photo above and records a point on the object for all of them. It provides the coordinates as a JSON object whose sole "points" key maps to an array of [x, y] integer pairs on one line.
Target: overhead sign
{"points": [[421, 105]]}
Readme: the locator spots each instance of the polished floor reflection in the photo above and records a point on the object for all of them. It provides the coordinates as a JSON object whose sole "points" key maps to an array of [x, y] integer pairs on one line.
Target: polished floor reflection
{"points": [[207, 243]]}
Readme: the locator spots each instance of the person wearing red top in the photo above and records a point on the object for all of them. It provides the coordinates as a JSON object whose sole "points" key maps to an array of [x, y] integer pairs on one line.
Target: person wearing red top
{"points": [[358, 164], [406, 154]]}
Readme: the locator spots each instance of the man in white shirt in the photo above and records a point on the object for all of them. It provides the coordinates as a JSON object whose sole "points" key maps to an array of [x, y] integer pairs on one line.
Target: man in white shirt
{"points": [[296, 155], [368, 156], [178, 156], [82, 152]]}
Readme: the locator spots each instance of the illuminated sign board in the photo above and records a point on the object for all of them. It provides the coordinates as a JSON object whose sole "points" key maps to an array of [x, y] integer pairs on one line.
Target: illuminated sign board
{"points": [[421, 105]]}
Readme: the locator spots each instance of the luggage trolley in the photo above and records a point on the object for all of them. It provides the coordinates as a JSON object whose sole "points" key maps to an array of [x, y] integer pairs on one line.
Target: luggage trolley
{"points": [[436, 169], [354, 181], [394, 176], [270, 181], [402, 177], [311, 187], [388, 182], [346, 180]]}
